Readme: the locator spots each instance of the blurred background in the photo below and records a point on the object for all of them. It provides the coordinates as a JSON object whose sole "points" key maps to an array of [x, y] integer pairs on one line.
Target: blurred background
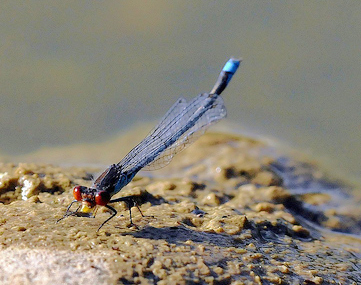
{"points": [[86, 72]]}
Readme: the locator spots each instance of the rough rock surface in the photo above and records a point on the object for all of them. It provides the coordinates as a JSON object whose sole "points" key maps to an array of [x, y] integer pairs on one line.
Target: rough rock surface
{"points": [[225, 211]]}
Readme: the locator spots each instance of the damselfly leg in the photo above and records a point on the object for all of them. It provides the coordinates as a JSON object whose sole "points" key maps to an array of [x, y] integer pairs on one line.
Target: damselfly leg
{"points": [[76, 212], [130, 201]]}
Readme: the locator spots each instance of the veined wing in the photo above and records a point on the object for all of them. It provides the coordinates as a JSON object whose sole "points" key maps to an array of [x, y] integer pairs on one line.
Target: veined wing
{"points": [[172, 113], [181, 126], [211, 116]]}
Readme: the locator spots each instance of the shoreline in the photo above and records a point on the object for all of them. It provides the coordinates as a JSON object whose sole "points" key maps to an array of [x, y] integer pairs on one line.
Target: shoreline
{"points": [[101, 154]]}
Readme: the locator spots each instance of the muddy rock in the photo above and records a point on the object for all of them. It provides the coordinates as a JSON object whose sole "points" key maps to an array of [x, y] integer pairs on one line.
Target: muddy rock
{"points": [[225, 211]]}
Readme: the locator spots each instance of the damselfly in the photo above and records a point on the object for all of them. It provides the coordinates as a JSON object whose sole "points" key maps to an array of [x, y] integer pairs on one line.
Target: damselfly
{"points": [[181, 125]]}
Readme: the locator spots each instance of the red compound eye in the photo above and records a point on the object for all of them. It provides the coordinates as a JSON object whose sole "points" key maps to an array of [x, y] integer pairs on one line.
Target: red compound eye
{"points": [[102, 198], [77, 193]]}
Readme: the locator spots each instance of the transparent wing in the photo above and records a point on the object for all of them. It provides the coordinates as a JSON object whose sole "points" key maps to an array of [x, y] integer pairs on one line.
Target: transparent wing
{"points": [[181, 126], [212, 116], [172, 113]]}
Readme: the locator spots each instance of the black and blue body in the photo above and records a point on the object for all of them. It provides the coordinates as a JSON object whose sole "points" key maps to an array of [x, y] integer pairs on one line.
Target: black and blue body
{"points": [[181, 125]]}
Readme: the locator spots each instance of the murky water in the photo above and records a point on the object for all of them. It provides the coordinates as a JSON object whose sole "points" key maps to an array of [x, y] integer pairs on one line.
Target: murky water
{"points": [[75, 72]]}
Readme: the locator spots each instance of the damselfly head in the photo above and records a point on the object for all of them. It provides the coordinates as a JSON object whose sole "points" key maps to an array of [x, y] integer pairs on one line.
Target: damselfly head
{"points": [[86, 196], [90, 196]]}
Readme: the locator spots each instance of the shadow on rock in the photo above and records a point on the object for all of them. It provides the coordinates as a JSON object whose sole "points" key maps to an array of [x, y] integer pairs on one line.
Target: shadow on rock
{"points": [[181, 234]]}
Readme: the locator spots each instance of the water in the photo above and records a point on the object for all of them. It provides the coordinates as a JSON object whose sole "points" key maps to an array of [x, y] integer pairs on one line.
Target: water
{"points": [[78, 73]]}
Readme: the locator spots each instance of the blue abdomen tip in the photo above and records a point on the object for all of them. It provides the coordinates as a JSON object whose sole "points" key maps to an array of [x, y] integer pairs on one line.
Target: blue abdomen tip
{"points": [[231, 65]]}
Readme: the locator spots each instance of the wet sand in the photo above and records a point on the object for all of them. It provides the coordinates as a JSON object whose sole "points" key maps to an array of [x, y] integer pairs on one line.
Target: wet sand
{"points": [[226, 211]]}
